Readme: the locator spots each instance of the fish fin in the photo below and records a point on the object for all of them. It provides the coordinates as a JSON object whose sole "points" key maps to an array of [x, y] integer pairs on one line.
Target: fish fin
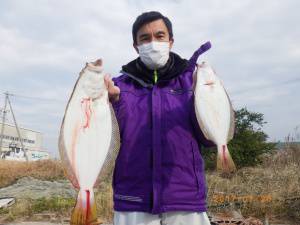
{"points": [[113, 149], [84, 212], [225, 163], [68, 169], [198, 117], [72, 94], [195, 78], [232, 120], [232, 124], [232, 117]]}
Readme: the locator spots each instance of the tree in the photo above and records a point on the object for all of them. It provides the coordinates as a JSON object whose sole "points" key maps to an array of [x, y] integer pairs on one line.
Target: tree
{"points": [[249, 141]]}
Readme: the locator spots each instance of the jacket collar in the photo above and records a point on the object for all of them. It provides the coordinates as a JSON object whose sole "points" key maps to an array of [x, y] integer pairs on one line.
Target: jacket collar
{"points": [[138, 71]]}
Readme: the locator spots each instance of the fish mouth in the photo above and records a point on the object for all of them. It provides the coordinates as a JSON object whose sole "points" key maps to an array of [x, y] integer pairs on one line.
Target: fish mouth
{"points": [[98, 62], [95, 66]]}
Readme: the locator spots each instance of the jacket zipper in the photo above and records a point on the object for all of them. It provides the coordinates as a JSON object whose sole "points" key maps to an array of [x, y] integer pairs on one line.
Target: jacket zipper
{"points": [[155, 76]]}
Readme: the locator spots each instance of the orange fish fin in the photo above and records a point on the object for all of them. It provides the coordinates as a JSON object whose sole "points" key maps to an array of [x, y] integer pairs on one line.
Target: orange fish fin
{"points": [[84, 212], [225, 163]]}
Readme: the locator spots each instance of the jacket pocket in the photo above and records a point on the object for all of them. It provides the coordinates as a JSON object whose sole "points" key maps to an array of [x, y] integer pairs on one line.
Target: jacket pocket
{"points": [[178, 91]]}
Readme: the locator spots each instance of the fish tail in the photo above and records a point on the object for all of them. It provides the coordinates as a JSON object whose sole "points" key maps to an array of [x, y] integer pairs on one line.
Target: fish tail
{"points": [[224, 160], [84, 212]]}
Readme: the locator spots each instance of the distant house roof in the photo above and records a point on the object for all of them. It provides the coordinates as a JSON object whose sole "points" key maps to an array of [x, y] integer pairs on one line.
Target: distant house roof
{"points": [[11, 125]]}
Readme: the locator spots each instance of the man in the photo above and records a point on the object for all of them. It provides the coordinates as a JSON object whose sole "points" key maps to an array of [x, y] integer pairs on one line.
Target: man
{"points": [[159, 173]]}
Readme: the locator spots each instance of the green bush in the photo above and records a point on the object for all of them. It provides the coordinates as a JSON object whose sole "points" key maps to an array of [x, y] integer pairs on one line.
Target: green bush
{"points": [[248, 144]]}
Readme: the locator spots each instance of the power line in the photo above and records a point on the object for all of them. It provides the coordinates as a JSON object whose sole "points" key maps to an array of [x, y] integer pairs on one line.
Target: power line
{"points": [[34, 98]]}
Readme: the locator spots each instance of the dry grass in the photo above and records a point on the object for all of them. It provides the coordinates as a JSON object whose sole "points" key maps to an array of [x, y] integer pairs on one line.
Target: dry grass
{"points": [[32, 208], [11, 171], [270, 189], [50, 170], [104, 202]]}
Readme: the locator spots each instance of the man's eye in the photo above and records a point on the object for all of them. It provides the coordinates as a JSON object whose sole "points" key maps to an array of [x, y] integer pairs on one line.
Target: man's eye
{"points": [[144, 39], [161, 36]]}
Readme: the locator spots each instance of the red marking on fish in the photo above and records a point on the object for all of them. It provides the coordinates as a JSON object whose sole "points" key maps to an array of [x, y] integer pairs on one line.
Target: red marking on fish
{"points": [[86, 102], [224, 156], [73, 153], [209, 82], [88, 205]]}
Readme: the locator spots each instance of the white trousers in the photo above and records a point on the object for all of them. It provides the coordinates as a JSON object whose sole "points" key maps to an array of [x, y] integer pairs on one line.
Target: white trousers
{"points": [[168, 218]]}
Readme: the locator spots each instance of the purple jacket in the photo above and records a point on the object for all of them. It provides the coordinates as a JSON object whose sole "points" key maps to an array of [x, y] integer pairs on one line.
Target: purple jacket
{"points": [[159, 167]]}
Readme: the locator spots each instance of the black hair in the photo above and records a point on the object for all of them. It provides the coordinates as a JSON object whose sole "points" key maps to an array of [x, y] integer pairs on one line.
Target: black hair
{"points": [[148, 17]]}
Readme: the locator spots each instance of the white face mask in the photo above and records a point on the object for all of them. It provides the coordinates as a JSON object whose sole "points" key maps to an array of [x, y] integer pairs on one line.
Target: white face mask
{"points": [[154, 54]]}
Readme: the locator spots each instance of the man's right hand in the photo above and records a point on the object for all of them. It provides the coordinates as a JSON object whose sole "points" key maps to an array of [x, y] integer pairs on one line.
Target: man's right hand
{"points": [[113, 91]]}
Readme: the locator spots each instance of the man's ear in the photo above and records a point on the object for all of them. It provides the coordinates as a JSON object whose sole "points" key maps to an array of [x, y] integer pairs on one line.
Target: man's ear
{"points": [[171, 42], [135, 47]]}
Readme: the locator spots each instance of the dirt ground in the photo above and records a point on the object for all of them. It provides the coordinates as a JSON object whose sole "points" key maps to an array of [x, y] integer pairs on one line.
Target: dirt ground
{"points": [[34, 223], [40, 223]]}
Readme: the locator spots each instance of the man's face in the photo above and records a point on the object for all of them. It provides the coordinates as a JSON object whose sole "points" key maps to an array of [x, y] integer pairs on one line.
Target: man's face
{"points": [[153, 31]]}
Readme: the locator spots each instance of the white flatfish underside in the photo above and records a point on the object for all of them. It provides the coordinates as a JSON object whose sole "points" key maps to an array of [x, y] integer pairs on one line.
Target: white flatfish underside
{"points": [[89, 140], [214, 113]]}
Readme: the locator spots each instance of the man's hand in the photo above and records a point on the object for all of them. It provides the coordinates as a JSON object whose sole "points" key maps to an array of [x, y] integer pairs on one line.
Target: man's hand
{"points": [[113, 91]]}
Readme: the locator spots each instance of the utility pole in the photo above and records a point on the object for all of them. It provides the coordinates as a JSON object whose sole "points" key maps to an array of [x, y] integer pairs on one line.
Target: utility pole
{"points": [[17, 127], [3, 121], [7, 101]]}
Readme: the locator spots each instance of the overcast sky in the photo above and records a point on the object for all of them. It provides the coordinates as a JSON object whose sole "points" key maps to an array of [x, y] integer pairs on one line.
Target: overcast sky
{"points": [[255, 51]]}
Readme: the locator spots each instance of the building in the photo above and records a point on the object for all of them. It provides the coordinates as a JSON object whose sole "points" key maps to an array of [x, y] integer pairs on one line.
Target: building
{"points": [[11, 145]]}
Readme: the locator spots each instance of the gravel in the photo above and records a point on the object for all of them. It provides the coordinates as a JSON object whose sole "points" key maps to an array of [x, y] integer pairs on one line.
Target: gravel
{"points": [[32, 188]]}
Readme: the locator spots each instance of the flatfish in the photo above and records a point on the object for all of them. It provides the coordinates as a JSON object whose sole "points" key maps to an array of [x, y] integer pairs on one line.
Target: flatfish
{"points": [[214, 113], [89, 140]]}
